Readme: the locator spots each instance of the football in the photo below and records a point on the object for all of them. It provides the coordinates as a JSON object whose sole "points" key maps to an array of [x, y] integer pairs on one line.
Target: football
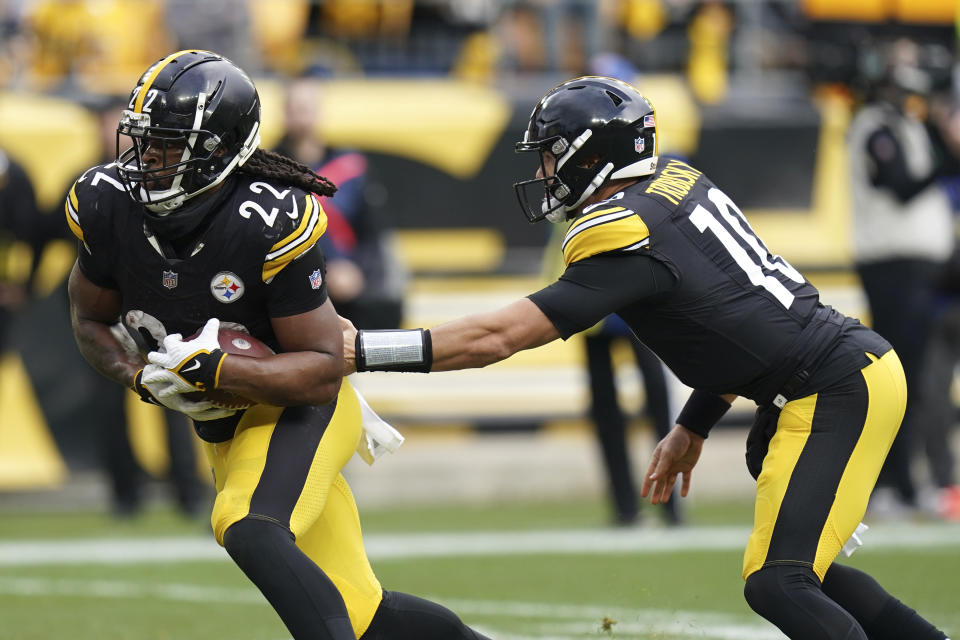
{"points": [[234, 342]]}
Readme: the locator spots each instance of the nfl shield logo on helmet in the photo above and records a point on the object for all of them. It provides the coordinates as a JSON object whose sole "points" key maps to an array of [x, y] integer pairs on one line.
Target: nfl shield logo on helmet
{"points": [[170, 279], [316, 279], [648, 121], [639, 145]]}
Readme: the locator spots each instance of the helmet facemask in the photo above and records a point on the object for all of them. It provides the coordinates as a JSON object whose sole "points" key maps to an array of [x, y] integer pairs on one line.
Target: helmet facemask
{"points": [[575, 177], [192, 160]]}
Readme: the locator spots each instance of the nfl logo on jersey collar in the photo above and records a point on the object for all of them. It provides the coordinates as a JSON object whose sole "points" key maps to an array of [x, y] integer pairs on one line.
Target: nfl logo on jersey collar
{"points": [[170, 279], [226, 287]]}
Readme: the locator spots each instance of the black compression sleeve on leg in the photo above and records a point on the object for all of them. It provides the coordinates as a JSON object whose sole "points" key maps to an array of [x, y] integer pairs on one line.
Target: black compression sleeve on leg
{"points": [[790, 597], [401, 616], [299, 591], [881, 615]]}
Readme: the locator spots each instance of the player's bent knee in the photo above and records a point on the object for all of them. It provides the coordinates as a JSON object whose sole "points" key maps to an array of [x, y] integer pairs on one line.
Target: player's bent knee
{"points": [[248, 539], [768, 591], [402, 616]]}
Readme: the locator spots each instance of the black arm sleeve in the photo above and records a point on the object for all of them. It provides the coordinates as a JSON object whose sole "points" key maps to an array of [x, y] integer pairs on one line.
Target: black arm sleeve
{"points": [[890, 167], [300, 287], [591, 289]]}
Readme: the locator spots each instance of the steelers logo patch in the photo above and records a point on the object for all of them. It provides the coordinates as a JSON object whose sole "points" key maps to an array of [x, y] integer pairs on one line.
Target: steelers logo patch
{"points": [[226, 287]]}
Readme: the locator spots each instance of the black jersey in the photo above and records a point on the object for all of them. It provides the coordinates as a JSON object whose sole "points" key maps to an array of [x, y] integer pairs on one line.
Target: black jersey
{"points": [[678, 261], [255, 257]]}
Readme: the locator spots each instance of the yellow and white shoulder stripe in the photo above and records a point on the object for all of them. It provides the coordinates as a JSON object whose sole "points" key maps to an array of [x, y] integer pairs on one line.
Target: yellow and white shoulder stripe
{"points": [[606, 229], [71, 207], [312, 226]]}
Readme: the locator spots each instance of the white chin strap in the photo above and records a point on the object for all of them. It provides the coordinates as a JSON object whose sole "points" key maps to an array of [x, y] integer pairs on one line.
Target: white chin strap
{"points": [[561, 214]]}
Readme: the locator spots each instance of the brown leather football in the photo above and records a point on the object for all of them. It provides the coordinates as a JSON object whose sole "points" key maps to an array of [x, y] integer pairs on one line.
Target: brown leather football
{"points": [[238, 343]]}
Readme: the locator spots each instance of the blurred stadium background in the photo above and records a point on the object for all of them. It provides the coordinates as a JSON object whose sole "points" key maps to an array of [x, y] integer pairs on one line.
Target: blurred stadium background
{"points": [[500, 466]]}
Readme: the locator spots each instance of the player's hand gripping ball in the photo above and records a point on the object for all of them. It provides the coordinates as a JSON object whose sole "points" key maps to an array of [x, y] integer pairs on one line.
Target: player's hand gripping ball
{"points": [[237, 343], [195, 360]]}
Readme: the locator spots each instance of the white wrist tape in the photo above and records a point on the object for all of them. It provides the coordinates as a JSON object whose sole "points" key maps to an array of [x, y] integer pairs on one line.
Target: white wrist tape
{"points": [[394, 350]]}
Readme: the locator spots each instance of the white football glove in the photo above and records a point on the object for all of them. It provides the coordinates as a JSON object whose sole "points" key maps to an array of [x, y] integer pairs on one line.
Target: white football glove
{"points": [[168, 389], [195, 361]]}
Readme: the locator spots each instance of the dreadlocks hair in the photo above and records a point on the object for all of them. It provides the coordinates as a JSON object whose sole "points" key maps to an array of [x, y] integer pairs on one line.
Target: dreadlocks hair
{"points": [[268, 164]]}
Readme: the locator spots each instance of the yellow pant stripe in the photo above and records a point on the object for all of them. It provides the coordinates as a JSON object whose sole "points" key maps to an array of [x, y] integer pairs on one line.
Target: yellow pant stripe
{"points": [[793, 429], [884, 379]]}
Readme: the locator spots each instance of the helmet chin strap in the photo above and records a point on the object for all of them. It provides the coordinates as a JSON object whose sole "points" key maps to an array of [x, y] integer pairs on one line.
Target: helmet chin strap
{"points": [[562, 213]]}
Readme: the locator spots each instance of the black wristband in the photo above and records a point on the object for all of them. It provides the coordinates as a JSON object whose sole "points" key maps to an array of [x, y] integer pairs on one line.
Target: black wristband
{"points": [[141, 390], [394, 350], [702, 411]]}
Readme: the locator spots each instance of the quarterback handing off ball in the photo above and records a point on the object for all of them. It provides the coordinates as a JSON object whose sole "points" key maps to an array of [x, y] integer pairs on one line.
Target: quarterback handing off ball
{"points": [[236, 343]]}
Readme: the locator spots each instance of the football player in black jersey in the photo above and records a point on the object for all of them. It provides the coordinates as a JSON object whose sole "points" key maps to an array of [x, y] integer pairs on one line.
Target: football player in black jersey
{"points": [[670, 253], [192, 226]]}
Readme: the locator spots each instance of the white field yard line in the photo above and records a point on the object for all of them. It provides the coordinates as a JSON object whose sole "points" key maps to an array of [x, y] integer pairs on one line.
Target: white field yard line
{"points": [[540, 621], [453, 544], [563, 620]]}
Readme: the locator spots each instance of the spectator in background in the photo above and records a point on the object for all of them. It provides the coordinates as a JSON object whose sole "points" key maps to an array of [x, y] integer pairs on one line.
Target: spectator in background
{"points": [[903, 233], [552, 35], [213, 25], [93, 45], [19, 218], [14, 44], [365, 278], [608, 417], [937, 411]]}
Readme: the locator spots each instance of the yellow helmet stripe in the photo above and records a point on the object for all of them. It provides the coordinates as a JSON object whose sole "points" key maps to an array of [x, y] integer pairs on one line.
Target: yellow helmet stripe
{"points": [[157, 68]]}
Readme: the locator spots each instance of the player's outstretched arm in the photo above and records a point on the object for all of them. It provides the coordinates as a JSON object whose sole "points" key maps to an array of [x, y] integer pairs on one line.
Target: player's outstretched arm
{"points": [[484, 338], [466, 343]]}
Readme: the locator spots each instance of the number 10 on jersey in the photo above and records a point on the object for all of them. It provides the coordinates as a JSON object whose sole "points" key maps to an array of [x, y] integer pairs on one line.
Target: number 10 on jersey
{"points": [[761, 270]]}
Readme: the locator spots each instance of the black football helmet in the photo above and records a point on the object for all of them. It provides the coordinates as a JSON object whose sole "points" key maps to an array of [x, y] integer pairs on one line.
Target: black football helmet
{"points": [[193, 118], [581, 120]]}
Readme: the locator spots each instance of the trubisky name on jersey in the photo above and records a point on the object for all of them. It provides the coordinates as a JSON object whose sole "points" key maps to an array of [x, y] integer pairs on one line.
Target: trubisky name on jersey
{"points": [[674, 182]]}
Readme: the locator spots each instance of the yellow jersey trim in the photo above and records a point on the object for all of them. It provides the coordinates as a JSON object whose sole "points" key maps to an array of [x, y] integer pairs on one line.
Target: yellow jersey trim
{"points": [[602, 231], [70, 206], [582, 223], [311, 227]]}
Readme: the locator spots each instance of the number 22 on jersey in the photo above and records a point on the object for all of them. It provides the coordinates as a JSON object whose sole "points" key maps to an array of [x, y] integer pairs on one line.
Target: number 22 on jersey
{"points": [[761, 267]]}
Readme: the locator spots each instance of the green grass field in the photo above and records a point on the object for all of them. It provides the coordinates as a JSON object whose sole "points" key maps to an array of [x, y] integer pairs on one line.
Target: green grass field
{"points": [[516, 572]]}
